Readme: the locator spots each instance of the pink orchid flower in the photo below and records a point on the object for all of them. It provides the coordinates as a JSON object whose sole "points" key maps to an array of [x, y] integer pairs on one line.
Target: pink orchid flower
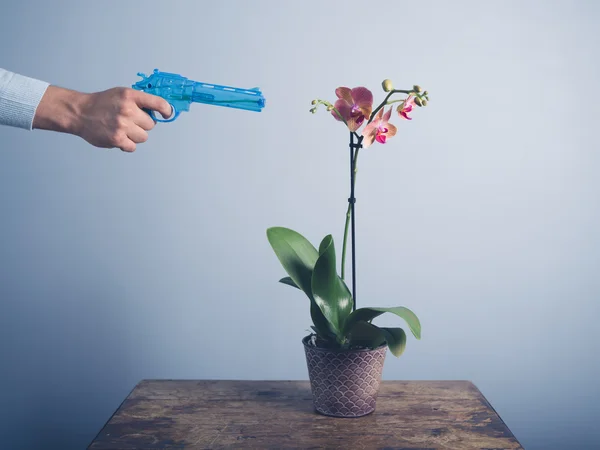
{"points": [[354, 105], [379, 129], [405, 107]]}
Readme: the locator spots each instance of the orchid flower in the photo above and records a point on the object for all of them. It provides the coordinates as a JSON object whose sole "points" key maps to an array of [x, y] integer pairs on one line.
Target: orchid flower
{"points": [[379, 129], [405, 107], [354, 105]]}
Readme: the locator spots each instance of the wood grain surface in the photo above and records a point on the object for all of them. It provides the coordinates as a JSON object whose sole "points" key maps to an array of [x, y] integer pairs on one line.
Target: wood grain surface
{"points": [[211, 414]]}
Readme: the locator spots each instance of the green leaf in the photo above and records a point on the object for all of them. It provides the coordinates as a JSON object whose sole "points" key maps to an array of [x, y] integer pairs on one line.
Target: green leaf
{"points": [[296, 254], [329, 291], [298, 257], [396, 339], [328, 337], [368, 314], [325, 329], [289, 282], [369, 335], [324, 244], [366, 334]]}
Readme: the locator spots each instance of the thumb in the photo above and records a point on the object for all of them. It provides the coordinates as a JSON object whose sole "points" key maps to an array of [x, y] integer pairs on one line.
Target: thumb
{"points": [[155, 103]]}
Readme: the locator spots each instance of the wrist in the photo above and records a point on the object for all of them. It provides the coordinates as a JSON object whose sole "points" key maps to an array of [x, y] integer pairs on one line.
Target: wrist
{"points": [[60, 110]]}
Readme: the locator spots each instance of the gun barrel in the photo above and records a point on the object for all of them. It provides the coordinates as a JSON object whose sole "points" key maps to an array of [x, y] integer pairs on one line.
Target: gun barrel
{"points": [[248, 99]]}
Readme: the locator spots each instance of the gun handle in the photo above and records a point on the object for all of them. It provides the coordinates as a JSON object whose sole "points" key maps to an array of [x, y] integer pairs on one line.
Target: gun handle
{"points": [[174, 114]]}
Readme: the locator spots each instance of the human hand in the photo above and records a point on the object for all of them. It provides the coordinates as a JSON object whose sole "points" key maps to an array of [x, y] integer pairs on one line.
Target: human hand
{"points": [[107, 119]]}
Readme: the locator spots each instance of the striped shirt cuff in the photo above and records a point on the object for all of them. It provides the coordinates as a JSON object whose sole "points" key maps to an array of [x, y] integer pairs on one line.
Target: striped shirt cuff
{"points": [[19, 99]]}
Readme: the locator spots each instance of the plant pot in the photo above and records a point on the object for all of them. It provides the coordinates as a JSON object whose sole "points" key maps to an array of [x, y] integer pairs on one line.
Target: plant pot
{"points": [[344, 383]]}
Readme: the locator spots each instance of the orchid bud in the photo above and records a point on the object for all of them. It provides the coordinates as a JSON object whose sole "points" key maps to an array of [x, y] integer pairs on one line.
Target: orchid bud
{"points": [[387, 85], [417, 88], [313, 110], [330, 108], [424, 102], [418, 101], [314, 102], [425, 93]]}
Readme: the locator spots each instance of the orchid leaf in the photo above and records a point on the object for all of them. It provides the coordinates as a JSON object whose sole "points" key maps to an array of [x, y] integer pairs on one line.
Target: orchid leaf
{"points": [[296, 254], [329, 291], [328, 336], [396, 339], [369, 335], [366, 334], [298, 257], [289, 282], [368, 314], [324, 328]]}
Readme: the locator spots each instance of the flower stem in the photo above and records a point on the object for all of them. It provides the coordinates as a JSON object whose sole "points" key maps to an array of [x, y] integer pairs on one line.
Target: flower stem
{"points": [[395, 101], [383, 103], [339, 115], [349, 211], [345, 240], [354, 148]]}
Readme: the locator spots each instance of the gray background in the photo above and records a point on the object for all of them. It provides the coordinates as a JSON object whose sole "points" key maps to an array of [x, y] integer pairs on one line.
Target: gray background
{"points": [[481, 214]]}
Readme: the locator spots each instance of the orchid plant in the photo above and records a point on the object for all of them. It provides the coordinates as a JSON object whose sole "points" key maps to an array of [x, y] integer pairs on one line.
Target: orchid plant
{"points": [[336, 321]]}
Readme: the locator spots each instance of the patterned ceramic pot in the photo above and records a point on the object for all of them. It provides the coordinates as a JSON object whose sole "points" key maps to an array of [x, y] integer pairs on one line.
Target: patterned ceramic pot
{"points": [[344, 383]]}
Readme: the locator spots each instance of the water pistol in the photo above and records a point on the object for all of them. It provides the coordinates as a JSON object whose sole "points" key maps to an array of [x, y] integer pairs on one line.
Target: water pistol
{"points": [[181, 92]]}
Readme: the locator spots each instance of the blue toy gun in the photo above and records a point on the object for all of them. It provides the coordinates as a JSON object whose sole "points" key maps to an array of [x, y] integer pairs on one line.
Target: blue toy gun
{"points": [[181, 92]]}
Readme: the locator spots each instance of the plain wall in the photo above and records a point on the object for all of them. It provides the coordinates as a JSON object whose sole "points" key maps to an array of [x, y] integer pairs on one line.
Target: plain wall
{"points": [[481, 215]]}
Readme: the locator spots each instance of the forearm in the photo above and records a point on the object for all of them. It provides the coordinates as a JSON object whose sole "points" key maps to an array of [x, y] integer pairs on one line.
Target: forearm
{"points": [[59, 110], [20, 97]]}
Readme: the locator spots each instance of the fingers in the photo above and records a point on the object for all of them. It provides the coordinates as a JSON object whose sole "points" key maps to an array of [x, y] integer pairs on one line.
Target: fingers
{"points": [[135, 135], [127, 145], [127, 141], [155, 103], [143, 120], [141, 123]]}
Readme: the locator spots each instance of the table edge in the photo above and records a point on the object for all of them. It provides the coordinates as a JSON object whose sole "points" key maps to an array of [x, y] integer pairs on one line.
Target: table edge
{"points": [[117, 409]]}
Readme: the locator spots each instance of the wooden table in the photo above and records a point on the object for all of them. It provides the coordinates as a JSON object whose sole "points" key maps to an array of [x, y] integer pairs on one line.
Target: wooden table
{"points": [[193, 414]]}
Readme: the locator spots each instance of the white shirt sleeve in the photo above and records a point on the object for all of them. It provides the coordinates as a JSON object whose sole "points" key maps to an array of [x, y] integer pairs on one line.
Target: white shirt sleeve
{"points": [[19, 99]]}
